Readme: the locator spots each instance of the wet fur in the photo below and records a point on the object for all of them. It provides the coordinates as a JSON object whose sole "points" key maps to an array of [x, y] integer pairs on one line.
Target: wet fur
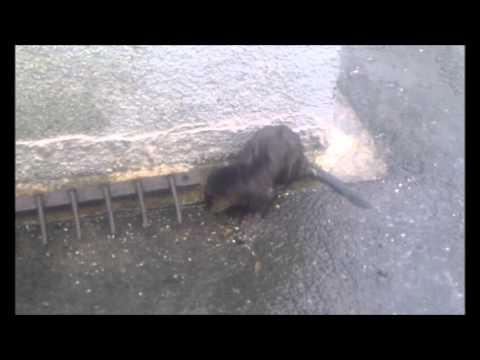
{"points": [[273, 156]]}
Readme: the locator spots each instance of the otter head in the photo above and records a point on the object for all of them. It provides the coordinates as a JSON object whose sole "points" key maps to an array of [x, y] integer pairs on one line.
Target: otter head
{"points": [[223, 189]]}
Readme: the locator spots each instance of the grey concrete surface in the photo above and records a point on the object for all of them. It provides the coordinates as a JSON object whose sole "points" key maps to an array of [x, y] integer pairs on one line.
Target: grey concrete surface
{"points": [[314, 253], [91, 111]]}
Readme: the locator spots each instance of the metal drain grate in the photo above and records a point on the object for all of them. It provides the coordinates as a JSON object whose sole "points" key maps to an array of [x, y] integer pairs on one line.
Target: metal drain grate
{"points": [[107, 193]]}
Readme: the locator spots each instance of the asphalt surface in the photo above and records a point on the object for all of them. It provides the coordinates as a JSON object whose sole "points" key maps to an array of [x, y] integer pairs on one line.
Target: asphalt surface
{"points": [[314, 253]]}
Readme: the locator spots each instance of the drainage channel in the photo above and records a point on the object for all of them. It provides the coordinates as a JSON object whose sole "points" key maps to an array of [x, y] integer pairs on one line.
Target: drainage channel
{"points": [[74, 198]]}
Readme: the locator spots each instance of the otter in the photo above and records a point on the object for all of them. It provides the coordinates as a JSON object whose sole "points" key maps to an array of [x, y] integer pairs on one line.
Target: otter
{"points": [[273, 157]]}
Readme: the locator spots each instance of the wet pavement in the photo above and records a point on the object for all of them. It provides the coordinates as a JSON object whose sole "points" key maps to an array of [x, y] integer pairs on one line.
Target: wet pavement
{"points": [[314, 253]]}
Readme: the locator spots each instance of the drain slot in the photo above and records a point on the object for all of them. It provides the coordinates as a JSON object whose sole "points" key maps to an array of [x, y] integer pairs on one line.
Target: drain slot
{"points": [[73, 198]]}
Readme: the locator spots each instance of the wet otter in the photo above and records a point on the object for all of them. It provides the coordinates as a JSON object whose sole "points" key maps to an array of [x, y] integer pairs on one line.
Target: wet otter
{"points": [[273, 156]]}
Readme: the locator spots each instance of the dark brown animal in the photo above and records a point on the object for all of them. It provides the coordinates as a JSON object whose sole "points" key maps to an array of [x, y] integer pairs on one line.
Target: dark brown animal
{"points": [[273, 156]]}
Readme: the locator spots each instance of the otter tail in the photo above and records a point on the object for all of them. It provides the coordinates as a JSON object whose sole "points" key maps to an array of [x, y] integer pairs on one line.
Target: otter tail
{"points": [[338, 186]]}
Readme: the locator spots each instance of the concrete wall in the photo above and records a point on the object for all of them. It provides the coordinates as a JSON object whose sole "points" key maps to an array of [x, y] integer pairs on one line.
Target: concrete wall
{"points": [[93, 113]]}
